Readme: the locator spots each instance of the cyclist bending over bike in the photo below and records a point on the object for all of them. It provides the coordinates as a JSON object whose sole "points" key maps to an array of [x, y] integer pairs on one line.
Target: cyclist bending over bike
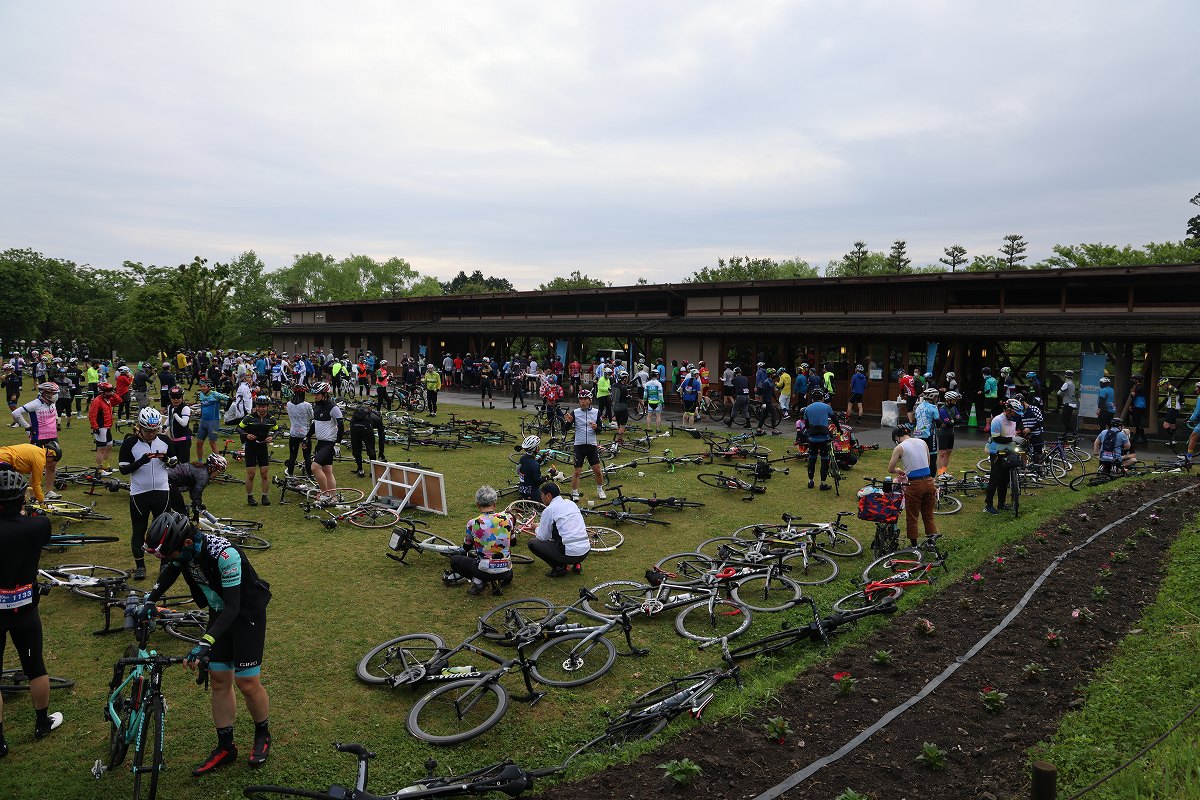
{"points": [[487, 544], [194, 478], [910, 460], [221, 579]]}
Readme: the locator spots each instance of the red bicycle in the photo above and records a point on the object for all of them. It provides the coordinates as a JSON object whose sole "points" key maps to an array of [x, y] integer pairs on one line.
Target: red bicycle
{"points": [[886, 578]]}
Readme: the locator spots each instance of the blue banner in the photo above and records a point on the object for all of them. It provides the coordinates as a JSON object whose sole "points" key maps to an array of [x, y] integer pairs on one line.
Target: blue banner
{"points": [[1089, 383], [931, 358], [561, 349]]}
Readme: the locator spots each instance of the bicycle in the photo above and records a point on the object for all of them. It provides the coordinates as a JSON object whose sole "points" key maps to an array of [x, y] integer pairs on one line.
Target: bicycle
{"points": [[673, 503], [1108, 471], [672, 461], [760, 576], [237, 531], [882, 507], [712, 409], [71, 512], [15, 680], [733, 483], [505, 777], [886, 578], [820, 629], [61, 542], [405, 537], [704, 613], [831, 538], [136, 710], [362, 515]]}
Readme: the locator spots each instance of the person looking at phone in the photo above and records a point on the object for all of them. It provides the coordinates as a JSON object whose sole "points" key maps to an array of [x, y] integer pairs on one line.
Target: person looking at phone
{"points": [[145, 457]]}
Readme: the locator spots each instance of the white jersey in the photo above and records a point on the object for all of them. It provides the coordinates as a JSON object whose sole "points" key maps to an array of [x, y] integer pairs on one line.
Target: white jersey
{"points": [[300, 416]]}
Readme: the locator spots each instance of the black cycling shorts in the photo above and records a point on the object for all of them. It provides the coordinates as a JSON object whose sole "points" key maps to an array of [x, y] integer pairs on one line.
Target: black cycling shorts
{"points": [[622, 416], [240, 648], [689, 406], [588, 453], [323, 454], [945, 440], [257, 455], [25, 627], [856, 397]]}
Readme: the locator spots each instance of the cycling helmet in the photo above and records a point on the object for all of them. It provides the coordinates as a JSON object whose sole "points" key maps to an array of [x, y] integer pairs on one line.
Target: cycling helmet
{"points": [[149, 418], [12, 485], [952, 396], [1030, 375], [124, 369], [694, 372], [949, 374], [262, 400], [608, 370], [818, 395], [429, 367], [702, 363], [7, 366], [1105, 381], [52, 449], [297, 392], [49, 387], [322, 388], [1115, 422], [217, 461], [1164, 382], [927, 375], [770, 370], [903, 429], [737, 370], [383, 361], [487, 360], [167, 533], [166, 365], [987, 370], [532, 442], [1068, 372], [859, 368], [585, 394], [804, 365], [1014, 405], [1005, 370], [451, 578], [930, 394], [175, 392], [760, 364], [105, 386]]}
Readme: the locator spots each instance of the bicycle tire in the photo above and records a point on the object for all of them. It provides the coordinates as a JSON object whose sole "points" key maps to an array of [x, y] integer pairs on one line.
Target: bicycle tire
{"points": [[604, 540], [887, 539], [373, 516], [249, 541], [715, 412], [769, 592], [947, 504], [239, 524], [619, 734], [341, 497], [1014, 491], [436, 712], [820, 569], [568, 663], [505, 620], [613, 597], [858, 601], [119, 732], [14, 680], [268, 792], [403, 659], [636, 413], [750, 533], [78, 540], [839, 543], [720, 481], [187, 629], [880, 569], [710, 548], [145, 780], [727, 619], [688, 568], [83, 573], [769, 644]]}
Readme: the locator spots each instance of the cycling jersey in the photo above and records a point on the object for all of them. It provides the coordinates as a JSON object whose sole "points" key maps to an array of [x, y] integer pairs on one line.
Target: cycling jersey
{"points": [[817, 416], [654, 392], [42, 424], [327, 421], [191, 477], [1114, 443], [858, 383], [179, 422], [583, 421], [489, 536], [923, 416], [1106, 399], [27, 459], [210, 405], [300, 417], [21, 541], [1032, 420], [145, 474]]}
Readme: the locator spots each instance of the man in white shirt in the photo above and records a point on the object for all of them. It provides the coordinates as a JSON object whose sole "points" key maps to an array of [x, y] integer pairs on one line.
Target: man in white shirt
{"points": [[561, 539]]}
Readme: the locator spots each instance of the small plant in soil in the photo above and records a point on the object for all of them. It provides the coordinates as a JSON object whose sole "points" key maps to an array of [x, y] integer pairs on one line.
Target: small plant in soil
{"points": [[882, 657], [965, 603], [1153, 519], [1000, 563], [932, 757], [924, 627], [682, 770], [1040, 537], [1032, 672], [1083, 616], [1105, 571], [1054, 637], [844, 682], [777, 729], [1020, 550], [1118, 556], [1144, 533], [977, 579], [1083, 517], [850, 794], [1131, 543], [992, 699], [1099, 593], [1065, 529]]}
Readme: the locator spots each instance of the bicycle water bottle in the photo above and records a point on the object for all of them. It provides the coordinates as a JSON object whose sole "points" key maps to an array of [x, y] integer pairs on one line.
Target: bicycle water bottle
{"points": [[131, 604]]}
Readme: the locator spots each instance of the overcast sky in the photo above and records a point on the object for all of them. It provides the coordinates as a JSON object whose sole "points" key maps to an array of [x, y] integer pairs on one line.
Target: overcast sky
{"points": [[623, 139]]}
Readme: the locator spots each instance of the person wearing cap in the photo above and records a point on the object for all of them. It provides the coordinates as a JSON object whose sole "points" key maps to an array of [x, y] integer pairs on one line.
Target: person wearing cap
{"points": [[989, 397], [42, 426], [949, 418], [12, 388], [433, 384], [910, 460], [327, 430], [382, 378], [689, 392], [800, 389], [587, 425], [1106, 403], [179, 424]]}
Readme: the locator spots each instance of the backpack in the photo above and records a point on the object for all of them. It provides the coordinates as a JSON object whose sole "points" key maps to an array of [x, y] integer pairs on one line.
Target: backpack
{"points": [[361, 419], [1108, 446]]}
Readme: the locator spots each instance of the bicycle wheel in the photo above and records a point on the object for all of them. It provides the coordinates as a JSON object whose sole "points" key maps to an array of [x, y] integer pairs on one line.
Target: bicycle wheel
{"points": [[887, 538], [819, 570], [457, 712], [740, 549], [247, 541], [402, 661], [758, 531], [573, 660], [78, 540], [836, 543], [1014, 491], [947, 504], [188, 628], [617, 596], [712, 619], [768, 645], [886, 566], [636, 413], [768, 591], [149, 743], [688, 568], [835, 472], [720, 481], [85, 578], [14, 680], [861, 599], [619, 734], [604, 540], [341, 497], [373, 516], [716, 412], [503, 622], [120, 733]]}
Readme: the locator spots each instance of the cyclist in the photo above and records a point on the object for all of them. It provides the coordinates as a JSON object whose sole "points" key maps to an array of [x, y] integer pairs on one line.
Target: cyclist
{"points": [[858, 388], [1068, 401], [925, 416], [1137, 409], [1032, 428], [727, 384], [1194, 423], [12, 388], [327, 429], [1172, 404], [431, 381], [487, 383], [21, 541], [222, 579], [210, 417], [1035, 386], [365, 425], [552, 393], [619, 396], [179, 428], [300, 415], [42, 424], [764, 389], [194, 478], [100, 414], [949, 418], [690, 389], [818, 416], [910, 459], [487, 544], [951, 383], [145, 457], [1000, 446], [800, 389], [166, 379], [529, 468], [1106, 404], [586, 422], [604, 385], [33, 461], [382, 378], [655, 400], [1113, 447], [740, 391], [256, 429], [561, 539], [990, 395]]}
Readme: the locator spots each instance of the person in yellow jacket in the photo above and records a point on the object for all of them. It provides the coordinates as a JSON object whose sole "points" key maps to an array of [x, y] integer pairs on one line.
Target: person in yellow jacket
{"points": [[783, 383], [604, 394], [433, 384], [30, 459]]}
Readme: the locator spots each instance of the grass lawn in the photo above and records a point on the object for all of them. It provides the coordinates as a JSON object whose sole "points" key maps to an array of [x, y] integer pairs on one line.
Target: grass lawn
{"points": [[336, 595]]}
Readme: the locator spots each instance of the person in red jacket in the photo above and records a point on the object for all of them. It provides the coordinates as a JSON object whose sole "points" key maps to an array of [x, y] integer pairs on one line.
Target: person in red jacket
{"points": [[124, 382], [100, 414]]}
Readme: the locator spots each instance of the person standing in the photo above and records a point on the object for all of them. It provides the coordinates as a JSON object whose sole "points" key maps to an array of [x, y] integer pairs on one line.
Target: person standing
{"points": [[145, 457], [989, 395], [727, 384], [561, 539], [1137, 409], [1068, 401], [689, 394], [220, 578], [817, 416], [209, 401], [179, 424], [327, 430], [1000, 446], [365, 425], [574, 371], [257, 428], [42, 425], [740, 390], [300, 416], [486, 545], [949, 418], [1106, 403], [21, 541], [1172, 406], [586, 422], [604, 394], [858, 388], [382, 378], [764, 388], [433, 384], [925, 418], [487, 382], [910, 459], [101, 416]]}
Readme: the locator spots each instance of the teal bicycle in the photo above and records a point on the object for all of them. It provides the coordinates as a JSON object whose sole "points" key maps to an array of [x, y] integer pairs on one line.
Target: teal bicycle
{"points": [[136, 709]]}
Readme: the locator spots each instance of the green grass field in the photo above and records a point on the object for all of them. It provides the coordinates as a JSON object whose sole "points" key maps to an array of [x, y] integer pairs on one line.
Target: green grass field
{"points": [[336, 595]]}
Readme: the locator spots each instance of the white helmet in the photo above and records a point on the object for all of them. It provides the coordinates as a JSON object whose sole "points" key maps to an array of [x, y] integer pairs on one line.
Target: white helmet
{"points": [[952, 396], [531, 443], [49, 387], [149, 418], [930, 394], [949, 374], [217, 461]]}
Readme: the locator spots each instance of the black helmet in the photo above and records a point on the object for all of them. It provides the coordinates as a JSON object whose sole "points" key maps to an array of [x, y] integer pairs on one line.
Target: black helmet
{"points": [[52, 449], [167, 533], [12, 485], [903, 429], [262, 400]]}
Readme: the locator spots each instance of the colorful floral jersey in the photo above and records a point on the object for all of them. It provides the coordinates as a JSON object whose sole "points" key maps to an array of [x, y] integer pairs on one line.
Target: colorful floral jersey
{"points": [[490, 536]]}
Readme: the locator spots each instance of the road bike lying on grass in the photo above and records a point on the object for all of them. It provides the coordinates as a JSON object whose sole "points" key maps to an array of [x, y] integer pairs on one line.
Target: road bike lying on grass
{"points": [[734, 483], [886, 578], [704, 613]]}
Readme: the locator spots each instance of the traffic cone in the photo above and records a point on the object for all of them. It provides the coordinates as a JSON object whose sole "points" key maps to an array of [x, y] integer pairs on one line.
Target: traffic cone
{"points": [[972, 422]]}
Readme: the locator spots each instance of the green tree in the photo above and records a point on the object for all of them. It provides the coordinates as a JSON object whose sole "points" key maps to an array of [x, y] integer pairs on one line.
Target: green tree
{"points": [[986, 264], [1013, 251], [23, 288], [151, 318], [1193, 227], [956, 256], [476, 283], [898, 260], [858, 263], [576, 280], [744, 268], [202, 292], [253, 306]]}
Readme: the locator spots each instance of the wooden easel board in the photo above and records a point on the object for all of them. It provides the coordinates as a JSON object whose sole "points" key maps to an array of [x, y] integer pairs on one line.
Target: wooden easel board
{"points": [[406, 486]]}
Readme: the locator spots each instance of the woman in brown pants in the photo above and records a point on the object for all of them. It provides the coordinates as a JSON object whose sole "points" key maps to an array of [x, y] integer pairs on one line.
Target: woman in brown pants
{"points": [[910, 459]]}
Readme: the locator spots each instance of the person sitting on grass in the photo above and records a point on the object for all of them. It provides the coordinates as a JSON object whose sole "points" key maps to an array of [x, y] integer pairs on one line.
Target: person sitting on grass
{"points": [[1113, 447], [487, 544]]}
